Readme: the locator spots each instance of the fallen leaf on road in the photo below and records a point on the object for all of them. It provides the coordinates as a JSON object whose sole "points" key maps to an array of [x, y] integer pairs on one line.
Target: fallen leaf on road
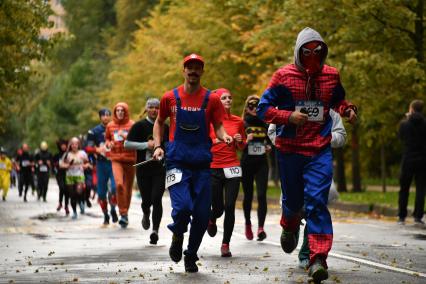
{"points": [[265, 269], [51, 253]]}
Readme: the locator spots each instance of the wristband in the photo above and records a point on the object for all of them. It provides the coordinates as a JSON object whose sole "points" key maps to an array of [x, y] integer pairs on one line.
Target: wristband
{"points": [[156, 147]]}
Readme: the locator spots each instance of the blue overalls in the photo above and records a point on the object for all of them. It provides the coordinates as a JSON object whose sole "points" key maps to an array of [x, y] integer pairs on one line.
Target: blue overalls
{"points": [[190, 153]]}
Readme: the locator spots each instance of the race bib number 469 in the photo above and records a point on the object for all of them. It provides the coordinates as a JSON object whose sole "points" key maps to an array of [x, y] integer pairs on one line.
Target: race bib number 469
{"points": [[314, 109], [173, 176]]}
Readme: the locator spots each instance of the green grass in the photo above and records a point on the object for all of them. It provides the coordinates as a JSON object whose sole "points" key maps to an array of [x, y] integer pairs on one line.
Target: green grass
{"points": [[367, 197], [372, 197]]}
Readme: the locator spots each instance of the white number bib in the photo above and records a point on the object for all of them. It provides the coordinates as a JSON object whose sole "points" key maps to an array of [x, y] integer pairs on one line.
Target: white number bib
{"points": [[173, 176], [314, 109], [119, 137], [2, 166], [25, 163], [43, 168], [256, 149], [232, 172]]}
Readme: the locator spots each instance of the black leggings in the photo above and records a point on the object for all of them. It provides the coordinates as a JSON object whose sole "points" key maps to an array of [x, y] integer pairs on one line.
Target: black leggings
{"points": [[76, 193], [258, 172], [26, 180], [63, 192], [42, 184], [152, 190], [231, 186]]}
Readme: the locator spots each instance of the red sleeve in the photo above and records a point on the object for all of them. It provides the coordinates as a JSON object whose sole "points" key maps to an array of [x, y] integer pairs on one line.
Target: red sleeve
{"points": [[91, 149], [164, 112], [212, 133], [217, 111]]}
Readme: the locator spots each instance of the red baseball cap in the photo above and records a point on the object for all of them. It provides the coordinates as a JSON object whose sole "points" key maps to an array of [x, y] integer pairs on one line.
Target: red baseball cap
{"points": [[194, 57]]}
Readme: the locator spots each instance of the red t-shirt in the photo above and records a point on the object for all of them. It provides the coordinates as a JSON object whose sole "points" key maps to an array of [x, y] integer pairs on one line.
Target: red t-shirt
{"points": [[190, 102], [225, 156]]}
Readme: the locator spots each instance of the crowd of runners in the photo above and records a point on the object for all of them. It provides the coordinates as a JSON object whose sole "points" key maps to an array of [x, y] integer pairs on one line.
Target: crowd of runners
{"points": [[196, 158]]}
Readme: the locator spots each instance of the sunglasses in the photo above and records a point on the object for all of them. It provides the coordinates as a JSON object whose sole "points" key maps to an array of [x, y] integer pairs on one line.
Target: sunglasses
{"points": [[252, 106], [307, 52]]}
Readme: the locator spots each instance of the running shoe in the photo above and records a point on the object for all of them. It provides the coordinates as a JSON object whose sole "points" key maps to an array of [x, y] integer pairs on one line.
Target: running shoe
{"points": [[401, 221], [145, 222], [261, 235], [212, 228], [124, 221], [304, 263], [289, 240], [418, 222], [74, 216], [191, 263], [317, 271], [175, 250], [106, 219], [153, 238], [249, 232], [25, 199], [224, 250], [114, 215], [89, 204], [67, 211], [4, 198]]}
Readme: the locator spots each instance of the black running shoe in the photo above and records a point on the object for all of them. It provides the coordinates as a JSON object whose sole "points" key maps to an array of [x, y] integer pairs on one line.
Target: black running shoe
{"points": [[175, 250], [145, 222], [289, 240], [212, 228], [114, 215], [106, 219], [317, 271], [191, 263], [153, 238]]}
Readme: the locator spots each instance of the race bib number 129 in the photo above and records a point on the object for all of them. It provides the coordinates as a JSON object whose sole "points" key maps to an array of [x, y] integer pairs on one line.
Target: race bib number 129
{"points": [[173, 176]]}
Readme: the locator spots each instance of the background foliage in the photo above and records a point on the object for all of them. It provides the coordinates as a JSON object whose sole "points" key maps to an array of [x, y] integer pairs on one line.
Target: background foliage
{"points": [[123, 50]]}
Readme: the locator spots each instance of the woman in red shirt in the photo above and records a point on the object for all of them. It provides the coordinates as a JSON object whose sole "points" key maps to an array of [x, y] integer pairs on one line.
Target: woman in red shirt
{"points": [[225, 172]]}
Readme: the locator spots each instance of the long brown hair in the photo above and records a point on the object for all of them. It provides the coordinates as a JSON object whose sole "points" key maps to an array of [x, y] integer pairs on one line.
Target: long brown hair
{"points": [[249, 98]]}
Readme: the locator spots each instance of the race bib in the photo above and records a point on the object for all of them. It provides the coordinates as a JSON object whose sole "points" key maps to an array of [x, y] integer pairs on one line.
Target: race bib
{"points": [[256, 149], [43, 169], [314, 109], [119, 137], [232, 172], [25, 163], [2, 166], [173, 176]]}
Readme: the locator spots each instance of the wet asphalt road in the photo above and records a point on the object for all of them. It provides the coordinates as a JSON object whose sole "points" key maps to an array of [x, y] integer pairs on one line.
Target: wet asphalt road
{"points": [[39, 245]]}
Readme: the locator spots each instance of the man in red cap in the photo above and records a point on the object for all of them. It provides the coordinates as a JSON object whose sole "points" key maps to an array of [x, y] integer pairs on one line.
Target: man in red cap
{"points": [[191, 109]]}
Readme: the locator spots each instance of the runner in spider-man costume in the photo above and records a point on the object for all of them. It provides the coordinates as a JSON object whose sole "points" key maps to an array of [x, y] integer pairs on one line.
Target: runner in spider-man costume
{"points": [[298, 100]]}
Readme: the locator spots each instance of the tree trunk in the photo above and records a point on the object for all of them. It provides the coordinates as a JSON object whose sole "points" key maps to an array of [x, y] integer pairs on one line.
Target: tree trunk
{"points": [[419, 31], [356, 168], [340, 170], [383, 167]]}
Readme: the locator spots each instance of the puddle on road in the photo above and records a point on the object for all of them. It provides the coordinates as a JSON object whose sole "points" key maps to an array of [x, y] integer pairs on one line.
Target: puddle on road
{"points": [[420, 237], [47, 216], [39, 236]]}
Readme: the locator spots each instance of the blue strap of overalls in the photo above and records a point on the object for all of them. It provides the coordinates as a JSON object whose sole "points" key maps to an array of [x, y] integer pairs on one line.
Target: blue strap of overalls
{"points": [[179, 102]]}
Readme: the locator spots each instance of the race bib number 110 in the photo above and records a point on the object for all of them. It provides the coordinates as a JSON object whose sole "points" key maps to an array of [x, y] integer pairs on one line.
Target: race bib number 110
{"points": [[173, 176], [232, 172]]}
